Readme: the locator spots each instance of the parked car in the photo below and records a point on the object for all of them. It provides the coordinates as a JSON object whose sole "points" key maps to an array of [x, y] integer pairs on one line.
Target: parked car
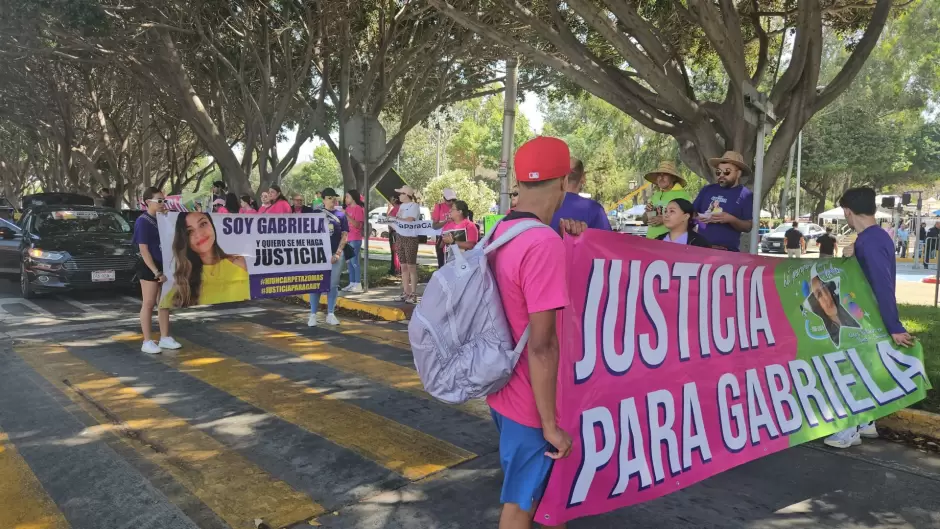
{"points": [[774, 242], [66, 247], [56, 199]]}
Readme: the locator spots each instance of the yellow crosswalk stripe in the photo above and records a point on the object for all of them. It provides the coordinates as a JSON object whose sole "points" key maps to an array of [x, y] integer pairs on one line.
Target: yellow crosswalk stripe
{"points": [[395, 446], [376, 333], [234, 488], [24, 504], [387, 373]]}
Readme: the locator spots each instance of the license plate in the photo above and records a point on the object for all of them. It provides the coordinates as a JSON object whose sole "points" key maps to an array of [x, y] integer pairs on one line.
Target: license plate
{"points": [[775, 244], [102, 275]]}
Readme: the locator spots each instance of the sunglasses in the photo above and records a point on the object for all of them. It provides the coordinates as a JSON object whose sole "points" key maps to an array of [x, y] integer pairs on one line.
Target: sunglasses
{"points": [[157, 200], [726, 172], [514, 194]]}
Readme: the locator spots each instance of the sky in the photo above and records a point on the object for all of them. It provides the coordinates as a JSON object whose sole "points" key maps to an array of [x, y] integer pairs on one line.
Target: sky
{"points": [[529, 108]]}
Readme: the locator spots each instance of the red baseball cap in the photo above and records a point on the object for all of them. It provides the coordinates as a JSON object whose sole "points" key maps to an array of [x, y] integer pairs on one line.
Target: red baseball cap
{"points": [[542, 158]]}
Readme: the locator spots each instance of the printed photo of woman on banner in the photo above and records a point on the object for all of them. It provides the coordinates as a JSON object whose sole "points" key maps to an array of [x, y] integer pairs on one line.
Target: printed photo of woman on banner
{"points": [[823, 301], [204, 274]]}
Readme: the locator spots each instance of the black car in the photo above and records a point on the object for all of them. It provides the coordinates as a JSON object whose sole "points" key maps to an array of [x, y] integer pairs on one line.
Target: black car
{"points": [[64, 247]]}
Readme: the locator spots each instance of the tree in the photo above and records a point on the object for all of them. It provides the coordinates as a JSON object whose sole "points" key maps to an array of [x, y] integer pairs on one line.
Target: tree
{"points": [[680, 68], [309, 177], [477, 195]]}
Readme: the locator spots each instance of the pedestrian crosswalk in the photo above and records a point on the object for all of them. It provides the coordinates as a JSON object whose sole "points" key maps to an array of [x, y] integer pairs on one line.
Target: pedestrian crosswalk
{"points": [[256, 417]]}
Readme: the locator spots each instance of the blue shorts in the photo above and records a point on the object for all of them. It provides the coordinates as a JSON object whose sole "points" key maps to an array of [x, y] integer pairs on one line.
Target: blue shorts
{"points": [[525, 465]]}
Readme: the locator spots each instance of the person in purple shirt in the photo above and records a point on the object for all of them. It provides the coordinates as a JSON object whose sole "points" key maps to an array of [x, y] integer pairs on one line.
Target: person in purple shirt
{"points": [[874, 250], [150, 273], [724, 208], [576, 207]]}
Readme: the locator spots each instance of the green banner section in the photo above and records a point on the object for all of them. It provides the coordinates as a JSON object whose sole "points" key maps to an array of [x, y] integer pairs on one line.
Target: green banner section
{"points": [[489, 221], [839, 330]]}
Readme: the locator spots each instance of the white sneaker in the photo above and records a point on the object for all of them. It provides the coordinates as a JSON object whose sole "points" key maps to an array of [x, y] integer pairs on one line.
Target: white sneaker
{"points": [[868, 430], [312, 320], [150, 347], [355, 288], [347, 288], [168, 342], [331, 319], [844, 439]]}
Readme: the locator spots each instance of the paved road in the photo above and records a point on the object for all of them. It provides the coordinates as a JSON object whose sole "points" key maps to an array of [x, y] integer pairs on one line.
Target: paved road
{"points": [[259, 416]]}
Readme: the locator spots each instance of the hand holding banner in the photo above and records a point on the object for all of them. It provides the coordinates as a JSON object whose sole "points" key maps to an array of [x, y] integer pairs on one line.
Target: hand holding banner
{"points": [[221, 258], [679, 363]]}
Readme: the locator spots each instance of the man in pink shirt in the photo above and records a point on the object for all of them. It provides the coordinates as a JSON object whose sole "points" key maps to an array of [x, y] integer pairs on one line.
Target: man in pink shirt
{"points": [[530, 272]]}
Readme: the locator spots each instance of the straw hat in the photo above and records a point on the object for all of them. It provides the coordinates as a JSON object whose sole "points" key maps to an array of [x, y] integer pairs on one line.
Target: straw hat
{"points": [[665, 167], [732, 157]]}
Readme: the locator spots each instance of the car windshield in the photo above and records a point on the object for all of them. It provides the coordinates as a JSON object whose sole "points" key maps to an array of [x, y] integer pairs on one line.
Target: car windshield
{"points": [[69, 222]]}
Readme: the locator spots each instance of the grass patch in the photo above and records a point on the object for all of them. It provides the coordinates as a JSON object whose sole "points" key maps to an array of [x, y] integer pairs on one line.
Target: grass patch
{"points": [[924, 322], [379, 276]]}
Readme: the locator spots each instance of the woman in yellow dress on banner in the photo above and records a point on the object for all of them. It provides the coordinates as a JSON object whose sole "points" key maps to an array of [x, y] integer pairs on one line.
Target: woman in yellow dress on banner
{"points": [[204, 274]]}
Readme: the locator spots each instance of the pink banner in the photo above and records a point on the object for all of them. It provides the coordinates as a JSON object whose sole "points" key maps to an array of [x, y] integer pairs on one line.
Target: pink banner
{"points": [[678, 363]]}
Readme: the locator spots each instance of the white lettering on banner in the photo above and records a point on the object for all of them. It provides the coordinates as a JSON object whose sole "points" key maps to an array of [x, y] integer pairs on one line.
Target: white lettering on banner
{"points": [[742, 418], [416, 228], [743, 328]]}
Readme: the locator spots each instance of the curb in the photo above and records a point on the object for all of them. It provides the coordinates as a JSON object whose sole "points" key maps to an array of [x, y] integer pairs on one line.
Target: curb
{"points": [[381, 312], [917, 422]]}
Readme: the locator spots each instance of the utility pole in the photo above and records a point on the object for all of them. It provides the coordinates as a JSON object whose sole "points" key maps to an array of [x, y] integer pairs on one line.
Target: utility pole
{"points": [[509, 127], [760, 112], [799, 166], [784, 197], [145, 145], [437, 166]]}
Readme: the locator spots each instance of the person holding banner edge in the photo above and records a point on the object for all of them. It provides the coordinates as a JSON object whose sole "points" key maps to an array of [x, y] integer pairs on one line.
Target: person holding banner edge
{"points": [[530, 439], [150, 273], [355, 216], [407, 247], [724, 208], [874, 249], [339, 231]]}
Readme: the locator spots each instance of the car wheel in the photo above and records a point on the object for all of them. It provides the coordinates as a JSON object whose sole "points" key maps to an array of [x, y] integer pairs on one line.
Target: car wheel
{"points": [[26, 290], [373, 233], [384, 235]]}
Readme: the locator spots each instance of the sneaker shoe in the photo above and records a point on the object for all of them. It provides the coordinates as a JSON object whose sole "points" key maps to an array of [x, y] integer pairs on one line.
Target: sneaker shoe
{"points": [[347, 288], [868, 430], [844, 439], [355, 288], [168, 342], [150, 347], [312, 320], [331, 319]]}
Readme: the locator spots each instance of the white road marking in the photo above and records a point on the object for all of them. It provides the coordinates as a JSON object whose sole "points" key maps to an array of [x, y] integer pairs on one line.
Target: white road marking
{"points": [[192, 315], [80, 306]]}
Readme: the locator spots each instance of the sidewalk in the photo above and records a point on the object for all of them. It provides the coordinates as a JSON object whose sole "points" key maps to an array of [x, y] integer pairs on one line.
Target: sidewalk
{"points": [[381, 302]]}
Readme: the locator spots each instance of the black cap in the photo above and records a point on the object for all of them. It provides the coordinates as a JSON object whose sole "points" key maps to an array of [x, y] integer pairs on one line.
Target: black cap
{"points": [[329, 192], [218, 183]]}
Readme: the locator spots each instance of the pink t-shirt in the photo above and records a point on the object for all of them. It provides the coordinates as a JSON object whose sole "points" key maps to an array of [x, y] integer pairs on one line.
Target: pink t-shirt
{"points": [[355, 212], [531, 273], [281, 206], [473, 233], [441, 212], [247, 210]]}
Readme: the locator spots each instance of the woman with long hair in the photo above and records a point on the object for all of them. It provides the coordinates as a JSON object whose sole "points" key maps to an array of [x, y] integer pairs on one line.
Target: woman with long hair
{"points": [[204, 273], [459, 230], [408, 246], [277, 201], [247, 205], [355, 216], [394, 266], [231, 205], [678, 218], [150, 273]]}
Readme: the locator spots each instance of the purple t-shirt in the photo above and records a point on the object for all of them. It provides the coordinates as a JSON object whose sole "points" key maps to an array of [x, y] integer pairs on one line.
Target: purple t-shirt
{"points": [[146, 232], [737, 201], [874, 250], [576, 207]]}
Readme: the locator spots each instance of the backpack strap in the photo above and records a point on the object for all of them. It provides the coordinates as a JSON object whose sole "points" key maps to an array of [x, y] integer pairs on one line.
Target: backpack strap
{"points": [[523, 341], [510, 234]]}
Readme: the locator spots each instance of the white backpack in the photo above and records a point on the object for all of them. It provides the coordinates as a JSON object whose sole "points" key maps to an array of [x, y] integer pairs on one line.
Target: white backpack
{"points": [[460, 338]]}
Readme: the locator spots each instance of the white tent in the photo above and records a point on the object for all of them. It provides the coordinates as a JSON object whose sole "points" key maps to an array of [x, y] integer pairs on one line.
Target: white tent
{"points": [[764, 214], [838, 214], [635, 210]]}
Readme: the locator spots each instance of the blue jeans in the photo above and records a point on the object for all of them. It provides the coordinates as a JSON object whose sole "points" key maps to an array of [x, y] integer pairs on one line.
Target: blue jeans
{"points": [[354, 266], [332, 293]]}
